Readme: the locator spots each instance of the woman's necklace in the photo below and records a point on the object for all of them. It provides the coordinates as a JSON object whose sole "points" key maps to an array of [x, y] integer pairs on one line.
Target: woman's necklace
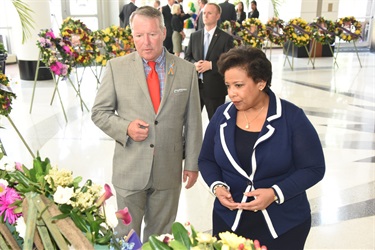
{"points": [[247, 122]]}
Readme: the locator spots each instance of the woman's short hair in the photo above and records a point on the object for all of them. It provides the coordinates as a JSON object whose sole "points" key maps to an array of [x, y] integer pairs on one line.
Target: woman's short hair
{"points": [[175, 8], [250, 59], [148, 11]]}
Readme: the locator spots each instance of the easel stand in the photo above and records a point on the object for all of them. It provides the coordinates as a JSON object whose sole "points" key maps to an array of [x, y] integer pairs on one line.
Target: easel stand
{"points": [[292, 64], [57, 90]]}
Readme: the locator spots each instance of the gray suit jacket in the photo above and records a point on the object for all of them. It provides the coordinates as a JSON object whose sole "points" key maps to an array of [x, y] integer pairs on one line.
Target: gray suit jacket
{"points": [[123, 97]]}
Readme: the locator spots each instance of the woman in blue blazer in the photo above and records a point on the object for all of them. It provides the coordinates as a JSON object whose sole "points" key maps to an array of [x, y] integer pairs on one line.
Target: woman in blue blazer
{"points": [[259, 156]]}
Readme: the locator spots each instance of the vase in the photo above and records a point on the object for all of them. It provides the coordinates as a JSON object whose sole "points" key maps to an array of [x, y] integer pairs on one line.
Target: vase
{"points": [[101, 247]]}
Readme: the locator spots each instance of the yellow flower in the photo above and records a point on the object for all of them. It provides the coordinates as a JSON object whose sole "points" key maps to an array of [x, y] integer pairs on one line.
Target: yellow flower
{"points": [[205, 238]]}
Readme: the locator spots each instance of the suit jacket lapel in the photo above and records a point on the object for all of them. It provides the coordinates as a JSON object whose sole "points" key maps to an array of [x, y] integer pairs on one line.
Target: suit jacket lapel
{"points": [[201, 44], [213, 41], [170, 67], [140, 77]]}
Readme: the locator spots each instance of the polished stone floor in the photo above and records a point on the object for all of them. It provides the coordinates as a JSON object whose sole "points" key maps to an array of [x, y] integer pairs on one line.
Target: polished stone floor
{"points": [[340, 102]]}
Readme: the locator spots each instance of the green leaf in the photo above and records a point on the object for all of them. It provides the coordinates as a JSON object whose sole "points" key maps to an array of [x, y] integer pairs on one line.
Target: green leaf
{"points": [[60, 216], [194, 235], [157, 244], [146, 246], [181, 234], [177, 245], [218, 245], [79, 222]]}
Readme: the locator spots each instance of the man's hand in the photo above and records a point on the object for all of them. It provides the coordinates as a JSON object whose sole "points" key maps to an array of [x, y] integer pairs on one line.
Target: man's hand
{"points": [[191, 177], [138, 130], [202, 66]]}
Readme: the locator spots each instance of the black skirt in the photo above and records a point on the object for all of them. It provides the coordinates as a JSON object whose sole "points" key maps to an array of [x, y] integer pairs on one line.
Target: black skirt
{"points": [[253, 226]]}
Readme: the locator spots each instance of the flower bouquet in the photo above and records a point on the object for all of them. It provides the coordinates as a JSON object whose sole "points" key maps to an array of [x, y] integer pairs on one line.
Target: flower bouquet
{"points": [[59, 212], [253, 32], [298, 32], [323, 30], [274, 31], [55, 53], [348, 29], [186, 238], [6, 95], [117, 41]]}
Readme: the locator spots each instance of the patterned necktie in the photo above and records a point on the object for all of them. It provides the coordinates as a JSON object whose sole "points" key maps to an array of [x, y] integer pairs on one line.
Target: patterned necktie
{"points": [[153, 86], [206, 44]]}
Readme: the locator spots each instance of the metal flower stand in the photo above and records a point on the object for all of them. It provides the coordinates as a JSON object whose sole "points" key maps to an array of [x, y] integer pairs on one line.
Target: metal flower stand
{"points": [[56, 81], [287, 56], [356, 51]]}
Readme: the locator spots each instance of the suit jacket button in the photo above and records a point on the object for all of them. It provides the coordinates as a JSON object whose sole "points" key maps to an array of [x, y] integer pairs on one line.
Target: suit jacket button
{"points": [[156, 122], [151, 145]]}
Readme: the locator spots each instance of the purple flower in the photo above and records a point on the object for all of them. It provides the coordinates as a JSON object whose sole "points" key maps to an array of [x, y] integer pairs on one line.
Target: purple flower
{"points": [[6, 206]]}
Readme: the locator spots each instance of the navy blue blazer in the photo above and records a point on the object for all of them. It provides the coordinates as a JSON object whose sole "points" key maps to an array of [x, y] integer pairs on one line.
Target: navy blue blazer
{"points": [[287, 156]]}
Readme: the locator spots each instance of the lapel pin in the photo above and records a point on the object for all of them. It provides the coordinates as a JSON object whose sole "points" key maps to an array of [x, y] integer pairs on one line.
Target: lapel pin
{"points": [[170, 71]]}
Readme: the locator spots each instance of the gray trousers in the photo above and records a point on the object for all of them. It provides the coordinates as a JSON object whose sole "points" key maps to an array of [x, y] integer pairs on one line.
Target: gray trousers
{"points": [[158, 209]]}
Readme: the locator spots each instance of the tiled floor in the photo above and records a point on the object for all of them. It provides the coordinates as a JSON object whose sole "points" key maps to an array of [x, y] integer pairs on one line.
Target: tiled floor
{"points": [[340, 102]]}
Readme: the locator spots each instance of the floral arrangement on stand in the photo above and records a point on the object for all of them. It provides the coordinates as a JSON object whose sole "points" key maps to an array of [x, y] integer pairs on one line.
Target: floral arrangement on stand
{"points": [[184, 237], [65, 212], [80, 40], [274, 31], [55, 53], [253, 32], [348, 29], [115, 41], [323, 30], [6, 95], [298, 32]]}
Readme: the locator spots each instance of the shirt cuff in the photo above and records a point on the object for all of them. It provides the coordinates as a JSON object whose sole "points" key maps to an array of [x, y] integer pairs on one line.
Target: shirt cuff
{"points": [[218, 183], [279, 194]]}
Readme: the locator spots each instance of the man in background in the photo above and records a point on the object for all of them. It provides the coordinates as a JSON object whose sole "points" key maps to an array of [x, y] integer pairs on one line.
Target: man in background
{"points": [[199, 22], [127, 10], [167, 14], [228, 12], [204, 49]]}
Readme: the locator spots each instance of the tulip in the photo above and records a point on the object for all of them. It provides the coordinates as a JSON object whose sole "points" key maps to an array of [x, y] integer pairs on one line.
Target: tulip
{"points": [[107, 194], [124, 215]]}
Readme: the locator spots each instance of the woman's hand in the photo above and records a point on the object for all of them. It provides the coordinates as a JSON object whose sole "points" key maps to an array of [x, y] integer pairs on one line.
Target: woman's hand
{"points": [[263, 198], [225, 198]]}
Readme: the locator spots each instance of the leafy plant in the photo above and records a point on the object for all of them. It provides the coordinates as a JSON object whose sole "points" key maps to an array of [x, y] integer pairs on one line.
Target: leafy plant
{"points": [[24, 13]]}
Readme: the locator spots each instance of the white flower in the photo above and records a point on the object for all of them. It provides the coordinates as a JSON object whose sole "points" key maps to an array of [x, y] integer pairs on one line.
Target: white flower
{"points": [[21, 227], [3, 186], [7, 164], [63, 195], [110, 215]]}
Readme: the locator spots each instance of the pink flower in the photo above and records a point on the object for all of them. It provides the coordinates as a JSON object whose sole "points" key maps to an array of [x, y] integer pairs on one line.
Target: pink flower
{"points": [[6, 207], [19, 166], [67, 50], [59, 68], [124, 215], [107, 194], [50, 34]]}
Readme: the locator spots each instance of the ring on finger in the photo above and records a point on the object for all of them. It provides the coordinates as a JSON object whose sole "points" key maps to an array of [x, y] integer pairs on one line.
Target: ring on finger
{"points": [[255, 211]]}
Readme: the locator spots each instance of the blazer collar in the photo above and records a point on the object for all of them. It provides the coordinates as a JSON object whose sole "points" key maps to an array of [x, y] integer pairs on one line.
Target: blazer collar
{"points": [[228, 126]]}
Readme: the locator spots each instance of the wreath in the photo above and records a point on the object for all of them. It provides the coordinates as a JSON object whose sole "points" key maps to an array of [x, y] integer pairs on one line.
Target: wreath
{"points": [[274, 31], [323, 30], [348, 28], [253, 32], [80, 40], [6, 95], [55, 54], [298, 32], [115, 41], [233, 27]]}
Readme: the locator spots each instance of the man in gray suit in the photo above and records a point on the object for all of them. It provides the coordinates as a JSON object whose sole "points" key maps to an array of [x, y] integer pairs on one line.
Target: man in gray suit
{"points": [[148, 157]]}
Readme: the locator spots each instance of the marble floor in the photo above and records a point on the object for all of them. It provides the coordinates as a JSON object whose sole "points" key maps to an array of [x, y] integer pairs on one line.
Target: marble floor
{"points": [[340, 102]]}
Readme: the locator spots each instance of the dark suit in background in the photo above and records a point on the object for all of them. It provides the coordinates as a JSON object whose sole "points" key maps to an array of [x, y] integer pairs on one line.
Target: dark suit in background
{"points": [[212, 89], [167, 14], [200, 24], [127, 10], [242, 17], [228, 12]]}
